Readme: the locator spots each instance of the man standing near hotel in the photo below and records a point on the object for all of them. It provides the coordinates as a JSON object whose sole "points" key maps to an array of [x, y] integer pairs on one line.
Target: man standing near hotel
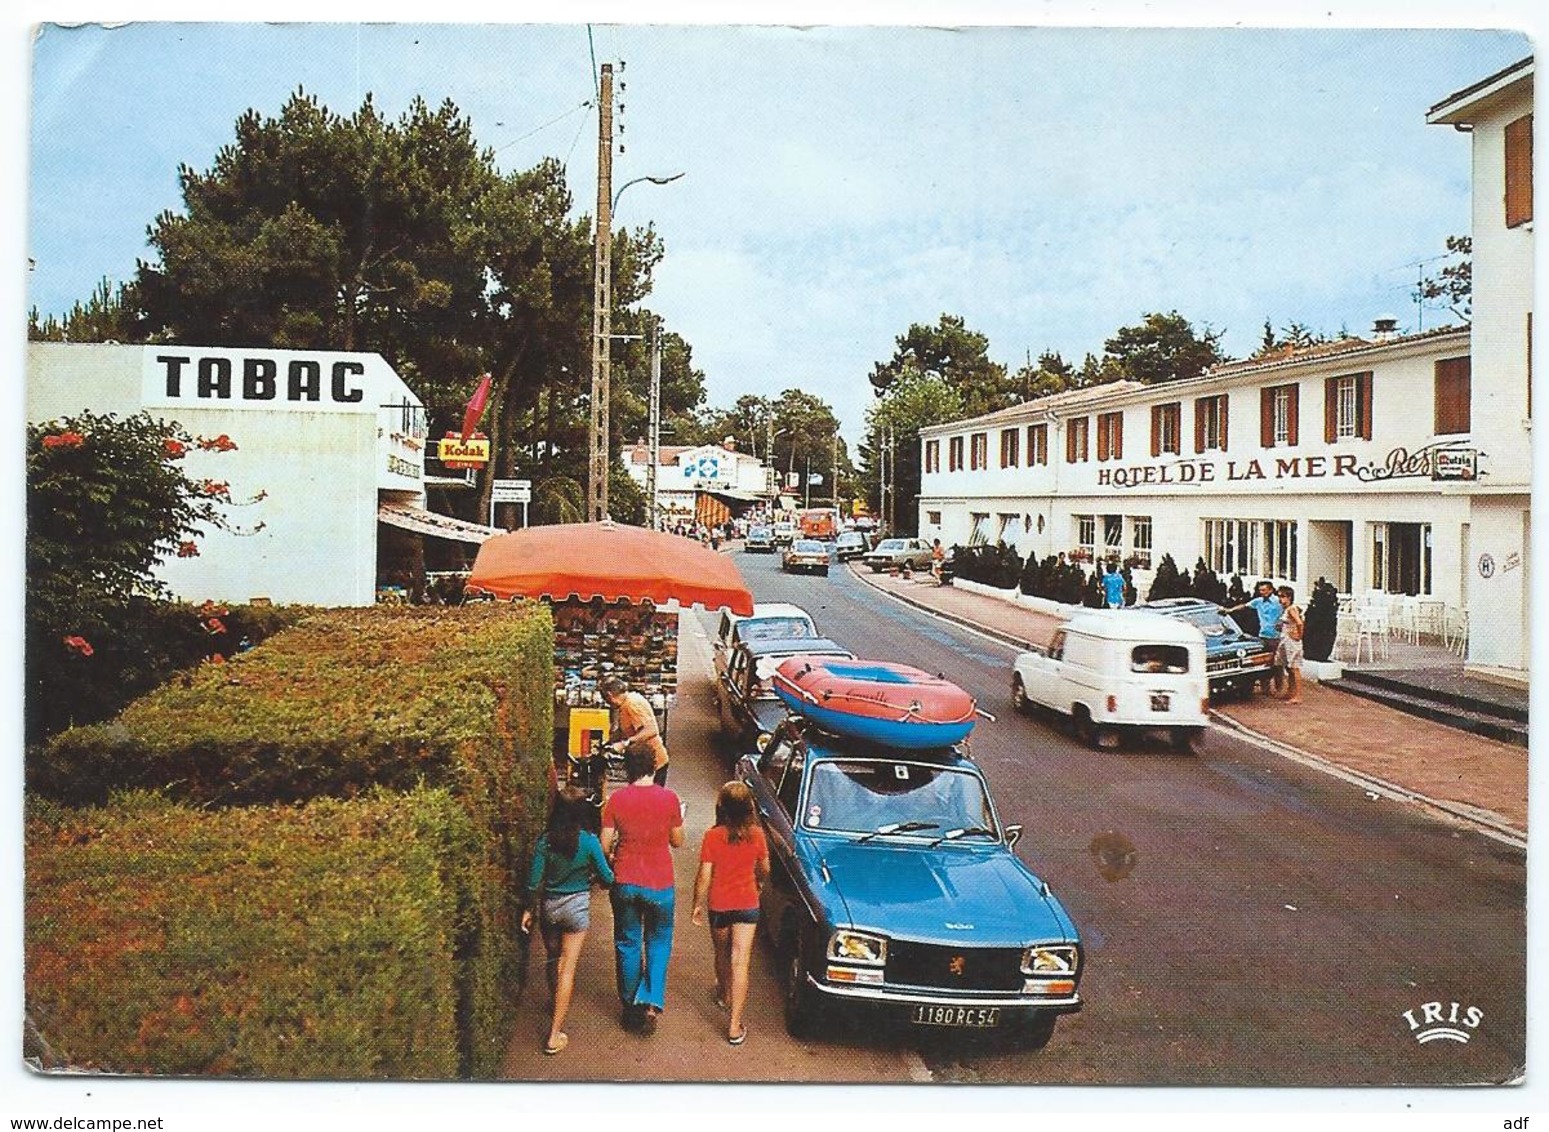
{"points": [[1268, 607], [1113, 587]]}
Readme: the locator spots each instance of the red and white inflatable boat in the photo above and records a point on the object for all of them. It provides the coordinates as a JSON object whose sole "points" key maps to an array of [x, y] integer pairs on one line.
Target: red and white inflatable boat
{"points": [[892, 704]]}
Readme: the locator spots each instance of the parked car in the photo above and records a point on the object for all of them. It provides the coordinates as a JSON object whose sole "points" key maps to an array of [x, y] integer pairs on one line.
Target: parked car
{"points": [[777, 620], [1235, 660], [894, 891], [895, 553], [760, 540], [1115, 672], [851, 544], [748, 705], [784, 533], [806, 555]]}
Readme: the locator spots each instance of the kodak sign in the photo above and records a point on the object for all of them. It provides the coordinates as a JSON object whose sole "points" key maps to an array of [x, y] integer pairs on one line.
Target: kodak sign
{"points": [[458, 453]]}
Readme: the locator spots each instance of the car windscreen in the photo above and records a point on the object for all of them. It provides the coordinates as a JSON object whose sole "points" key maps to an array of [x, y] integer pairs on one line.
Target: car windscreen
{"points": [[1211, 622], [892, 544], [862, 795], [759, 532], [1159, 658], [774, 628], [808, 546]]}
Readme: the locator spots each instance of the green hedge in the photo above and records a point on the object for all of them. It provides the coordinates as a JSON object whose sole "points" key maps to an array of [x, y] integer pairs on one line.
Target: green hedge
{"points": [[281, 942], [345, 703]]}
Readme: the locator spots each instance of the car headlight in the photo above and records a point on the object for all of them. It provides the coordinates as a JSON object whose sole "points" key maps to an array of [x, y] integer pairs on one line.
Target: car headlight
{"points": [[1050, 960], [857, 947]]}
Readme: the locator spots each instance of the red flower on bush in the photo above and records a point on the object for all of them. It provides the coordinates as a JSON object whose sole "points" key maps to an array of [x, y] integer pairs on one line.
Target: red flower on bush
{"points": [[214, 625], [80, 645], [173, 449], [64, 440], [188, 549], [215, 489], [221, 443]]}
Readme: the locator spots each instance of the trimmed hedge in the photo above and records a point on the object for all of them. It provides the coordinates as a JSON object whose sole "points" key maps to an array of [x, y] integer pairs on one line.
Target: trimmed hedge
{"points": [[348, 702], [280, 942]]}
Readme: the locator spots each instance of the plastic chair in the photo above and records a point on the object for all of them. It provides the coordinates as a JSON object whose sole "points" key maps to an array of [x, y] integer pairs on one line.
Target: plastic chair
{"points": [[1371, 625], [1427, 618], [1456, 633]]}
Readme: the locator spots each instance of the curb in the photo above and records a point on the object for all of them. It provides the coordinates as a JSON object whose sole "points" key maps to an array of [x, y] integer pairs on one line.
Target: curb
{"points": [[1486, 821]]}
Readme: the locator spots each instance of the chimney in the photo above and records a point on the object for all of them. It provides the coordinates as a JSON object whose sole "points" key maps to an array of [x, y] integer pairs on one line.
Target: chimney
{"points": [[1385, 328]]}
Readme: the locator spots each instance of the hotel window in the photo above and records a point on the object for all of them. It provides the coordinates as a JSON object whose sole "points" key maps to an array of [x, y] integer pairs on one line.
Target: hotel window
{"points": [[1110, 436], [1086, 535], [933, 518], [955, 454], [1140, 541], [933, 455], [1519, 171], [979, 451], [1010, 447], [1453, 396], [1278, 423], [1113, 535], [1037, 444], [1251, 548], [979, 533], [1010, 528], [1210, 423], [1167, 428], [1347, 407], [1076, 440]]}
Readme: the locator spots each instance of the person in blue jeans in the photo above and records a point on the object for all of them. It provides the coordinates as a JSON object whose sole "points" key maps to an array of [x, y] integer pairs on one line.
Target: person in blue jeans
{"points": [[641, 824], [1113, 587], [1270, 611]]}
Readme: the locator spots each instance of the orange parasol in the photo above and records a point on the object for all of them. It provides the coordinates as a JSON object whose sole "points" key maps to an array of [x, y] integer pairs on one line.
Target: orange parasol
{"points": [[610, 561]]}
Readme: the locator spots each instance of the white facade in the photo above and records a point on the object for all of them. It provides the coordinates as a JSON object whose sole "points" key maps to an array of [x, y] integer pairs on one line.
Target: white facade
{"points": [[685, 472], [1397, 464], [1501, 535], [321, 438]]}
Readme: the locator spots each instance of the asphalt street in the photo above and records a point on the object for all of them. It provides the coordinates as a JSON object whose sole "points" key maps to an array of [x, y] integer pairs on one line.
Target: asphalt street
{"points": [[1248, 920]]}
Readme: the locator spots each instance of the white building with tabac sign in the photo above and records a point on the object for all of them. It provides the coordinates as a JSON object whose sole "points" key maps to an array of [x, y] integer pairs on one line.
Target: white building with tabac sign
{"points": [[327, 446], [1397, 463]]}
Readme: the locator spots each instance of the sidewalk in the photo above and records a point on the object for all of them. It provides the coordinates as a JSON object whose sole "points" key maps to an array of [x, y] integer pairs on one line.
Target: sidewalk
{"points": [[1472, 778], [690, 1042]]}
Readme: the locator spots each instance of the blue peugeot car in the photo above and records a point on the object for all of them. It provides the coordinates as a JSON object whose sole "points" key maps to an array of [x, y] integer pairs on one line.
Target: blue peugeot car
{"points": [[894, 890]]}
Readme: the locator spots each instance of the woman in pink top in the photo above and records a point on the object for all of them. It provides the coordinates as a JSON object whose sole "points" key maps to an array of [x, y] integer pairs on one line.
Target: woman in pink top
{"points": [[733, 866], [641, 824]]}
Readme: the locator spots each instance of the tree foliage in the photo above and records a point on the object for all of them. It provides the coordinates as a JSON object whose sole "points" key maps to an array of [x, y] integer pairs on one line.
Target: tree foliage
{"points": [[1453, 285], [1163, 347], [915, 398]]}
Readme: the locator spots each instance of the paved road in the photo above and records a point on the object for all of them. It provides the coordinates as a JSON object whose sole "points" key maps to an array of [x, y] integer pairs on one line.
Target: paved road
{"points": [[1274, 929], [1277, 923]]}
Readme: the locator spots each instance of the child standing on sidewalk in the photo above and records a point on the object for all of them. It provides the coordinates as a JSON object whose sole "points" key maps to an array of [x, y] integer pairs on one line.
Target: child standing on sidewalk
{"points": [[1293, 625], [733, 866]]}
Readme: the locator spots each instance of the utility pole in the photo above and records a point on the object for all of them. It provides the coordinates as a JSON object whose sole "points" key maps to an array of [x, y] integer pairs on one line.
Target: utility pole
{"points": [[602, 307], [806, 485], [833, 470], [652, 514]]}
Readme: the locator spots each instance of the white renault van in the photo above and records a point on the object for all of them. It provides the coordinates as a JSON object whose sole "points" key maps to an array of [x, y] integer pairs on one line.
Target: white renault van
{"points": [[1115, 671]]}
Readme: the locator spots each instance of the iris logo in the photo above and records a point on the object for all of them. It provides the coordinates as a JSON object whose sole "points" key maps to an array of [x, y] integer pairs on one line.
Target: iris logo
{"points": [[1440, 1021]]}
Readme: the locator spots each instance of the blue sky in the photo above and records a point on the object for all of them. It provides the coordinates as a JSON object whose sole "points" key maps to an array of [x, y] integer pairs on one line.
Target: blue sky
{"points": [[1050, 185]]}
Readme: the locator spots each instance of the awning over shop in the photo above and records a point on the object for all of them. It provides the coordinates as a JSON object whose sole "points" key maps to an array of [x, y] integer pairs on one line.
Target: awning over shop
{"points": [[736, 494], [407, 517], [610, 561]]}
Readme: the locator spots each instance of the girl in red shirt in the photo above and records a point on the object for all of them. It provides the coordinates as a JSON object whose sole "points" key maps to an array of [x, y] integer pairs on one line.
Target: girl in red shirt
{"points": [[733, 866]]}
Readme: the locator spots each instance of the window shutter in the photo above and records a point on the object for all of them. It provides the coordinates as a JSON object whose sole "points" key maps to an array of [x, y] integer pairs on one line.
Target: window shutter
{"points": [[1330, 410], [1201, 406], [1070, 443], [1293, 412], [1363, 404], [1452, 396], [1104, 430], [1267, 417], [1116, 445], [1519, 171], [1156, 430]]}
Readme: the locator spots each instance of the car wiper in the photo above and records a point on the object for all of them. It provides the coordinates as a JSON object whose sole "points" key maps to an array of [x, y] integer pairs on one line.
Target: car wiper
{"points": [[900, 827], [965, 831]]}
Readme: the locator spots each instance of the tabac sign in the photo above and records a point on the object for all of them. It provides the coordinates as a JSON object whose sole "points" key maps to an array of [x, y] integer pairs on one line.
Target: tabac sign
{"points": [[298, 380]]}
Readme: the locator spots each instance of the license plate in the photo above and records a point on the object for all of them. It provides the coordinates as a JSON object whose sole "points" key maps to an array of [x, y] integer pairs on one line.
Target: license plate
{"points": [[974, 1017], [1161, 701]]}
